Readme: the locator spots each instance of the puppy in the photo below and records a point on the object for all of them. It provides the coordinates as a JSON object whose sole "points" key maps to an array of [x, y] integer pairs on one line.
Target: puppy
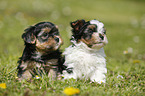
{"points": [[41, 54], [85, 58]]}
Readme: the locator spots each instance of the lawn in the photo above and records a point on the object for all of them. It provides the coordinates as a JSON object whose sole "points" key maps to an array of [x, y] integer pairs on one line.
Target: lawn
{"points": [[125, 24]]}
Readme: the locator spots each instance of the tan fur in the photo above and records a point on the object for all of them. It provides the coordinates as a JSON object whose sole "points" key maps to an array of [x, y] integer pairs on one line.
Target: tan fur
{"points": [[46, 46], [46, 29], [90, 42], [91, 26]]}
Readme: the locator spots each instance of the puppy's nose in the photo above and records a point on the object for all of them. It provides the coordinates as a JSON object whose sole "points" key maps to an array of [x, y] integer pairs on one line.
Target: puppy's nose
{"points": [[56, 39], [101, 36]]}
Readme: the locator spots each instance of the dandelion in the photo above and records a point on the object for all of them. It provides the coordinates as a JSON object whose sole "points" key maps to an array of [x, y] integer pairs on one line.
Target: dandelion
{"points": [[71, 91], [136, 61], [3, 85]]}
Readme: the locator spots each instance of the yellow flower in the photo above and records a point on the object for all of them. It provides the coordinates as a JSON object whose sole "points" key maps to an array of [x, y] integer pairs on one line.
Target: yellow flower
{"points": [[71, 91], [16, 77], [136, 61], [3, 85], [37, 77]]}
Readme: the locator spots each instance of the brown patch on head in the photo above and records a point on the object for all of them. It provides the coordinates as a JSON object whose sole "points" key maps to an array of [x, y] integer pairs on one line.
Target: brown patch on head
{"points": [[93, 27], [76, 25]]}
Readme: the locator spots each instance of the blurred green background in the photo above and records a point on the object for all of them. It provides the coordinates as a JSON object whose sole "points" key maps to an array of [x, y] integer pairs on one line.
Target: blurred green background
{"points": [[123, 19]]}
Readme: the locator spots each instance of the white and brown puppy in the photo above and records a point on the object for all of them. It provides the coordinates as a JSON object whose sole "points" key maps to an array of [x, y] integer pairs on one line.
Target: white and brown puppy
{"points": [[41, 54], [85, 58]]}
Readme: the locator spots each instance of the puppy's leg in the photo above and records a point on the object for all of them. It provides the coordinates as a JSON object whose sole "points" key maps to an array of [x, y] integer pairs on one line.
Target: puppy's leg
{"points": [[99, 75], [25, 70], [51, 68], [68, 75], [52, 74], [25, 75]]}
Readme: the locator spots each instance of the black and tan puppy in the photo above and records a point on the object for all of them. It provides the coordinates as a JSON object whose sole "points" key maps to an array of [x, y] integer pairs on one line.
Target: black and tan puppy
{"points": [[41, 54]]}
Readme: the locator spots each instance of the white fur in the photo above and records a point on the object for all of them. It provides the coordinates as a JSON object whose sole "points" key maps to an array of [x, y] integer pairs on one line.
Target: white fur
{"points": [[100, 25], [86, 63]]}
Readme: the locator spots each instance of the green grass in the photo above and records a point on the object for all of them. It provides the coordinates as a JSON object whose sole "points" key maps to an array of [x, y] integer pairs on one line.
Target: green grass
{"points": [[125, 24]]}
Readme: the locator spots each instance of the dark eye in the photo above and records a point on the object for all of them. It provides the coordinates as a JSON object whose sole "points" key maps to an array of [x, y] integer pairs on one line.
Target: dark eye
{"points": [[90, 31], [44, 36], [87, 35]]}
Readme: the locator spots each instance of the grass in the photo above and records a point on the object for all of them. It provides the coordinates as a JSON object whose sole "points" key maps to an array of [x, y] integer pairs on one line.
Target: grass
{"points": [[125, 24]]}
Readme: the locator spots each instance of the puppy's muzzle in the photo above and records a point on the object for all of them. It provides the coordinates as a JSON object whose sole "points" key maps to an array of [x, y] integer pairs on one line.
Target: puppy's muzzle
{"points": [[56, 39]]}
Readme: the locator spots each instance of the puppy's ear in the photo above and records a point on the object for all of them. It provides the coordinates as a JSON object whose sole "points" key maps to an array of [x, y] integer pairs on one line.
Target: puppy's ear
{"points": [[76, 25], [29, 36]]}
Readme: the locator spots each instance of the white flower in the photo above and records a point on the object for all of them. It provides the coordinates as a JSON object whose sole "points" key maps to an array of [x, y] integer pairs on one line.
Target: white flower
{"points": [[120, 76], [37, 77]]}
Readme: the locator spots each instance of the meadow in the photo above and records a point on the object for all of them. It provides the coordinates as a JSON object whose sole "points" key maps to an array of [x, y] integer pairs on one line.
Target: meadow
{"points": [[124, 21]]}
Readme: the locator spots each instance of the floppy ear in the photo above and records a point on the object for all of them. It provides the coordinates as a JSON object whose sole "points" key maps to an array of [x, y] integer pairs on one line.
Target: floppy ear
{"points": [[76, 25], [29, 36]]}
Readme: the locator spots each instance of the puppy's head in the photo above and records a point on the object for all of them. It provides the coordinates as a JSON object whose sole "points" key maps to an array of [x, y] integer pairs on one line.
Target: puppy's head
{"points": [[92, 33], [44, 35]]}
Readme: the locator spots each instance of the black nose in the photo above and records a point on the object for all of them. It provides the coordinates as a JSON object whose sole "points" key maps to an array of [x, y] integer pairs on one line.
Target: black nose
{"points": [[56, 39], [101, 36]]}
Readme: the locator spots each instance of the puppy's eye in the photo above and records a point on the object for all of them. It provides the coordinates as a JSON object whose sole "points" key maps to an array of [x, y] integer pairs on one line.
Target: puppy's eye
{"points": [[90, 31], [44, 36]]}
